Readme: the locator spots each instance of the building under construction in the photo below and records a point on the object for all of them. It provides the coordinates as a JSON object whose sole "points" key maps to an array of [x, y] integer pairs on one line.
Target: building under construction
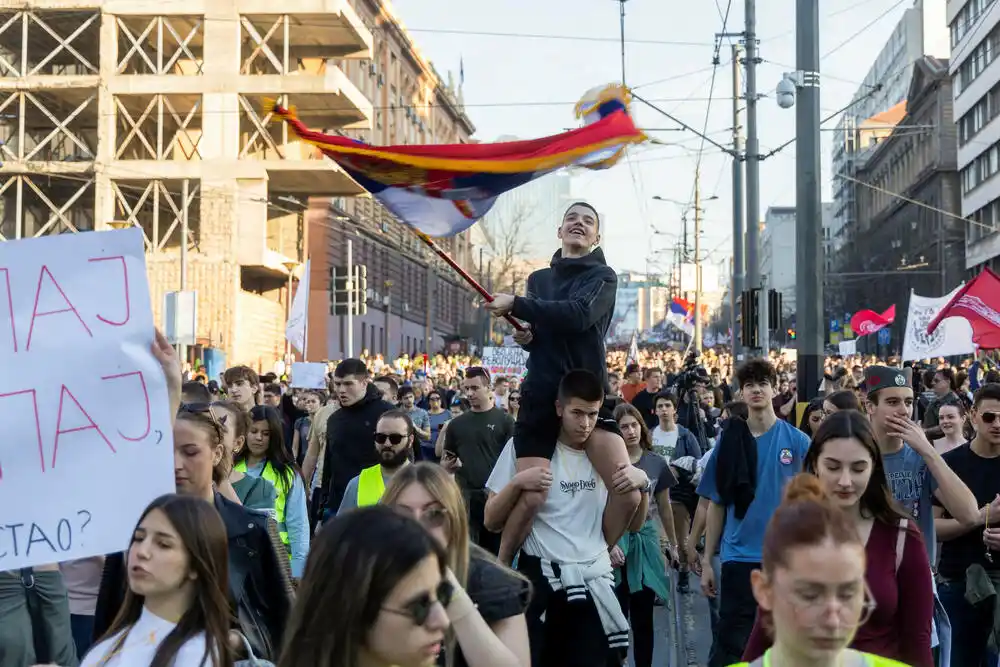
{"points": [[152, 114]]}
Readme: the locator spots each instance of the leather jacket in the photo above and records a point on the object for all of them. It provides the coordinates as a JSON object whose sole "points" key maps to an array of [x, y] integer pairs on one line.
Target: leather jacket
{"points": [[260, 588]]}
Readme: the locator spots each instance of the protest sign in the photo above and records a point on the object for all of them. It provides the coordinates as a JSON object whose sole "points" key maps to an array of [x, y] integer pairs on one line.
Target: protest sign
{"points": [[87, 438], [308, 375], [505, 361]]}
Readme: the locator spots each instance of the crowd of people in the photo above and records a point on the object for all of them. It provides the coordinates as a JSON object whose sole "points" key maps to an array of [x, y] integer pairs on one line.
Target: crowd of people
{"points": [[401, 518]]}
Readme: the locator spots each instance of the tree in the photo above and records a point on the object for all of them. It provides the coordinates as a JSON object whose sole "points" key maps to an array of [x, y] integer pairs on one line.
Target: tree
{"points": [[505, 239], [506, 242]]}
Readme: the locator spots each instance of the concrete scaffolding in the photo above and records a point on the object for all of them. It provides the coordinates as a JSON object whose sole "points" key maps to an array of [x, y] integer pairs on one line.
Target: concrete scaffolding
{"points": [[108, 108]]}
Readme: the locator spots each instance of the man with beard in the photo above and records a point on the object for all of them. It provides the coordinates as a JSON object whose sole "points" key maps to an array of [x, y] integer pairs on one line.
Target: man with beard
{"points": [[394, 435]]}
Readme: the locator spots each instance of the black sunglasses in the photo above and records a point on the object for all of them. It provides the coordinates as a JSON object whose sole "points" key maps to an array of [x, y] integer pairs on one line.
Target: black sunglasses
{"points": [[203, 408], [419, 609], [393, 438], [989, 417]]}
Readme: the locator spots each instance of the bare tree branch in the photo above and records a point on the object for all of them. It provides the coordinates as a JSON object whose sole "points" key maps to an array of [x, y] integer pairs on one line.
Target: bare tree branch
{"points": [[507, 246]]}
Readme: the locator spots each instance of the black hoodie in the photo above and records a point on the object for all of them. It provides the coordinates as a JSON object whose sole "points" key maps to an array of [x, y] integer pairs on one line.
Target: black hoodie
{"points": [[569, 306], [350, 444]]}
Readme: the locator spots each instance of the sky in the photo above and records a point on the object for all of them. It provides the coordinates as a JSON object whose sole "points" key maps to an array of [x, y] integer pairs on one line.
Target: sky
{"points": [[525, 83]]}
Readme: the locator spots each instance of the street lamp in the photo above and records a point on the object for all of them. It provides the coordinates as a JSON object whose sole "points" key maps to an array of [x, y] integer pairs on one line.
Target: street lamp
{"points": [[697, 208]]}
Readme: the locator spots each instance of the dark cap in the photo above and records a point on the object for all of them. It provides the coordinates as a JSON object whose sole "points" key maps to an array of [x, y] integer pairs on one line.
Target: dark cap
{"points": [[885, 377]]}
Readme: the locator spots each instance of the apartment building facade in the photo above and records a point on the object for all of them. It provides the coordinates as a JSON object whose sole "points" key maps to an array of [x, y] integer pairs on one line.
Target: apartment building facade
{"points": [[920, 31], [975, 37], [153, 114], [909, 233]]}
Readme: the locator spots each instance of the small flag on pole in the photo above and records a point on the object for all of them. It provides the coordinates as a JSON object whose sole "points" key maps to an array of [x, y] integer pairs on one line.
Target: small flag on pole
{"points": [[633, 350]]}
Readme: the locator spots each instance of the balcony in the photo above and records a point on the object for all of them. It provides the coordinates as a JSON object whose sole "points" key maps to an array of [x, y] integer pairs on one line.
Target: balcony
{"points": [[292, 166]]}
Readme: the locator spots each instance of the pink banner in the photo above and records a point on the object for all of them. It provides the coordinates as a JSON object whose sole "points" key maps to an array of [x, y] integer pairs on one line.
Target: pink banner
{"points": [[867, 322]]}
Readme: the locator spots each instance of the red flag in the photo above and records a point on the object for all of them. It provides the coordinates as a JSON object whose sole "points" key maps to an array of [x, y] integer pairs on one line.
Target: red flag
{"points": [[867, 322], [978, 303]]}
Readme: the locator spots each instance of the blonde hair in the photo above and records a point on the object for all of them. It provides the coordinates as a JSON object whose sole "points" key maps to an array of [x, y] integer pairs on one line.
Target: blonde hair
{"points": [[440, 485]]}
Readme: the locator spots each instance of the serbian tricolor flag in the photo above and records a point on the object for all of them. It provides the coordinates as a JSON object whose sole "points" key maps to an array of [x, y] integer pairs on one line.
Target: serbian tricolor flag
{"points": [[443, 189], [978, 302]]}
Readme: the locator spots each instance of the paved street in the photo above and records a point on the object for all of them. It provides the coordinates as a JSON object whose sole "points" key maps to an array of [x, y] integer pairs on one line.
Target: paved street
{"points": [[694, 629]]}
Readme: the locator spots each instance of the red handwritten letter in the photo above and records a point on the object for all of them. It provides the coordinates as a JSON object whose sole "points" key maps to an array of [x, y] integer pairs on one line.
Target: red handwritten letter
{"points": [[63, 393], [145, 395], [128, 300], [10, 307], [38, 427], [34, 311]]}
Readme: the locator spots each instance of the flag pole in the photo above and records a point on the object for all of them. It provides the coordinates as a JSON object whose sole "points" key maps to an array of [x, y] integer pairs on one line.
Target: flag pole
{"points": [[473, 283]]}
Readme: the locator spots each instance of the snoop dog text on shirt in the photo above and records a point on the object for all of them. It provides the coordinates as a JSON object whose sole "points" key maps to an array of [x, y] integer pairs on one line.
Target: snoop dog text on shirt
{"points": [[579, 485]]}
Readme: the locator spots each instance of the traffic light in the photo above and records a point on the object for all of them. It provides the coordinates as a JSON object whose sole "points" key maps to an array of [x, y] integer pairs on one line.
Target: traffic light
{"points": [[339, 283], [773, 310], [791, 334], [750, 317], [361, 292]]}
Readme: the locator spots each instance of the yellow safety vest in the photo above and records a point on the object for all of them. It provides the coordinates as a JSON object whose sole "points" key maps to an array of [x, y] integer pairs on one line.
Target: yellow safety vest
{"points": [[371, 486], [271, 475], [869, 661]]}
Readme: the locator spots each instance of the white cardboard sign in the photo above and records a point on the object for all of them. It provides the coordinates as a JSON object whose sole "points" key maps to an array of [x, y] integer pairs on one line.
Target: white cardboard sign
{"points": [[308, 375], [87, 442], [505, 361]]}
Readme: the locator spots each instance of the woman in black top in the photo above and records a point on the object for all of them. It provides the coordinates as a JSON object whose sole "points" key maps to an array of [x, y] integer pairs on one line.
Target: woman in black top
{"points": [[429, 494]]}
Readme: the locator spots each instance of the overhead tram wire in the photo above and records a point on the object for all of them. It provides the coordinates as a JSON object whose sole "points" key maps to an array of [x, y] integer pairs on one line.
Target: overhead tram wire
{"points": [[636, 187], [862, 29], [711, 89], [875, 87]]}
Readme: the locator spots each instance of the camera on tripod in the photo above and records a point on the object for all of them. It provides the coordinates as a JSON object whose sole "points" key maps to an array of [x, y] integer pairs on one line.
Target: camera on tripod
{"points": [[692, 374]]}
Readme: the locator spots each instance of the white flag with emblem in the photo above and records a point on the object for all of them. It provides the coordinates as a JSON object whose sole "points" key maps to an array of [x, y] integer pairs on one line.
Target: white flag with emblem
{"points": [[953, 337], [295, 330]]}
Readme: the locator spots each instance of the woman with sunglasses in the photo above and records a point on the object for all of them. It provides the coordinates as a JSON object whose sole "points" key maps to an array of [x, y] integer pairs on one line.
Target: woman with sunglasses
{"points": [[845, 459], [375, 593], [175, 610], [811, 586], [259, 584], [513, 403], [497, 634]]}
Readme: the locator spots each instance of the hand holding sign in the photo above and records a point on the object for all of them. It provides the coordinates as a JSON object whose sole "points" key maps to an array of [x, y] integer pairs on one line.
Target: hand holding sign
{"points": [[85, 397]]}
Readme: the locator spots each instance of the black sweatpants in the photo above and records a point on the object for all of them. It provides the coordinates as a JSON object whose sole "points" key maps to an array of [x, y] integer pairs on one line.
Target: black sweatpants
{"points": [[737, 611], [638, 608], [572, 634]]}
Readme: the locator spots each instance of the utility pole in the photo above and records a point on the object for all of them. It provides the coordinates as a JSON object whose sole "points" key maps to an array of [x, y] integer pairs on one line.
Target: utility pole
{"points": [[697, 262], [350, 298], [753, 172], [736, 286], [185, 226], [809, 214]]}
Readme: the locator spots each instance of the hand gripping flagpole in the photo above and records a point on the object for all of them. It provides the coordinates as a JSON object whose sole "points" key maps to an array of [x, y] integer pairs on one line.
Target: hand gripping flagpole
{"points": [[473, 283]]}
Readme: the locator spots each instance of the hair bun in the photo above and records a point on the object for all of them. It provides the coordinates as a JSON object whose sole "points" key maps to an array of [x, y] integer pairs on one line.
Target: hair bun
{"points": [[805, 487]]}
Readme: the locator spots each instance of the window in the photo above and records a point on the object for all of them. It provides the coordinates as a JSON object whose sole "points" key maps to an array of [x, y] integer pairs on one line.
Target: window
{"points": [[978, 60]]}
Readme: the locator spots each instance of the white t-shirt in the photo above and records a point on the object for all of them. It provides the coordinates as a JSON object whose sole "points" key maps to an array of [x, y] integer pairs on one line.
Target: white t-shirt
{"points": [[141, 643], [665, 442], [569, 526]]}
